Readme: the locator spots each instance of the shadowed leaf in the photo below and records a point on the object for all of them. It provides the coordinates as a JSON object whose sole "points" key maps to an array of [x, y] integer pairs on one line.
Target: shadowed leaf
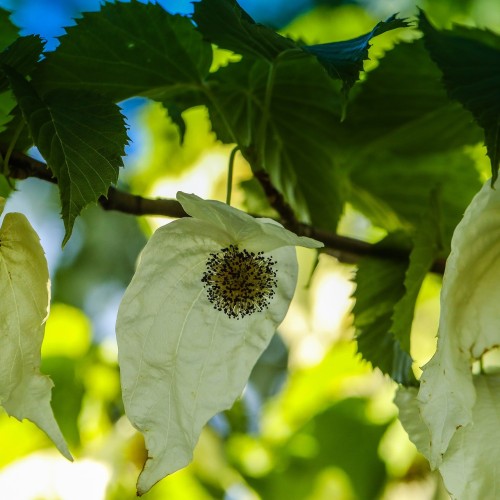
{"points": [[82, 138], [344, 60], [125, 50], [22, 55], [226, 24]]}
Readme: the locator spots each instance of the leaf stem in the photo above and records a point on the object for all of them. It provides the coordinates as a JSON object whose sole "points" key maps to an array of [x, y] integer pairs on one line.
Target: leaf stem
{"points": [[481, 366], [230, 169]]}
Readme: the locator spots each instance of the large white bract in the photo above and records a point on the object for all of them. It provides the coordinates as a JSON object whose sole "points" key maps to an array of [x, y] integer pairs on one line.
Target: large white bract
{"points": [[206, 299], [455, 417]]}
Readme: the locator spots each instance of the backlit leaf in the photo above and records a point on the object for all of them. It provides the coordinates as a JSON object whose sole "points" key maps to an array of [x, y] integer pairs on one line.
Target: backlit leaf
{"points": [[402, 107], [402, 138], [386, 294], [470, 62], [405, 191], [24, 288], [427, 242]]}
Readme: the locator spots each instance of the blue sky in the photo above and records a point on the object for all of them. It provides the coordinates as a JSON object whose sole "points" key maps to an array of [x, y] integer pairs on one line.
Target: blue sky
{"points": [[47, 17]]}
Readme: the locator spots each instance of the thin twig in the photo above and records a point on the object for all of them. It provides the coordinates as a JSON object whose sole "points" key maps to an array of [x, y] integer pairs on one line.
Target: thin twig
{"points": [[230, 170], [276, 200]]}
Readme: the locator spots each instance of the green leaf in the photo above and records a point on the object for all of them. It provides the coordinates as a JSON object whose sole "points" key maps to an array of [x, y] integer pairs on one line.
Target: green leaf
{"points": [[24, 287], [336, 448], [426, 247], [177, 105], [22, 55], [13, 123], [226, 24], [403, 186], [82, 138], [386, 296], [470, 62], [344, 60], [339, 433], [7, 104], [8, 31], [403, 137], [379, 287], [403, 108], [183, 356], [128, 49], [10, 123], [281, 116]]}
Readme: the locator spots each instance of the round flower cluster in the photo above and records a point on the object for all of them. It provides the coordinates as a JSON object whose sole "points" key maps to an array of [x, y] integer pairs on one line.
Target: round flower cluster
{"points": [[239, 282]]}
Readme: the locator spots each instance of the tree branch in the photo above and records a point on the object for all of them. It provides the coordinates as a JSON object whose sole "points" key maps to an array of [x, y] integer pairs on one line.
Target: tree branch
{"points": [[345, 249]]}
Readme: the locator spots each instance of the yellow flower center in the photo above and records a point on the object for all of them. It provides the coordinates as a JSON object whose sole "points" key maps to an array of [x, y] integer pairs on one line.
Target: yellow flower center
{"points": [[239, 283]]}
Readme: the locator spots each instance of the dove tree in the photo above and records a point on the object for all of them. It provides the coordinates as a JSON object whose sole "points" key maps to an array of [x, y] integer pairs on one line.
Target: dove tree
{"points": [[321, 136]]}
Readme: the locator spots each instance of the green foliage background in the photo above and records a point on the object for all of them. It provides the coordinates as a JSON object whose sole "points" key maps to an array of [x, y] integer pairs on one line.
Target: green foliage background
{"points": [[316, 421]]}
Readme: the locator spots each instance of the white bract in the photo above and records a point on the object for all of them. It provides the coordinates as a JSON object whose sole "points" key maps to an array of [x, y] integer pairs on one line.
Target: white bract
{"points": [[24, 305], [207, 296], [456, 422]]}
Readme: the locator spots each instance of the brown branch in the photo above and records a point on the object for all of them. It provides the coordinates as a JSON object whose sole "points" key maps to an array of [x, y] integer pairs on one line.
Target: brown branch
{"points": [[345, 249], [137, 205], [277, 201]]}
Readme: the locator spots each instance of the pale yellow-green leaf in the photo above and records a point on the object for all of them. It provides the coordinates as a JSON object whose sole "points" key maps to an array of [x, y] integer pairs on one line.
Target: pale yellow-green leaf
{"points": [[181, 360], [469, 322], [446, 397], [24, 289], [454, 420], [469, 466]]}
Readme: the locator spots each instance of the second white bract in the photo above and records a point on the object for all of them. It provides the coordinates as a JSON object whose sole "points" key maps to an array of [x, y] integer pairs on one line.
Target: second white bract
{"points": [[455, 418], [206, 299]]}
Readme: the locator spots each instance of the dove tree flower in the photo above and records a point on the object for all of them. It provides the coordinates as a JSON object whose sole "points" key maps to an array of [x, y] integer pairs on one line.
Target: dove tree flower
{"points": [[454, 420], [207, 296]]}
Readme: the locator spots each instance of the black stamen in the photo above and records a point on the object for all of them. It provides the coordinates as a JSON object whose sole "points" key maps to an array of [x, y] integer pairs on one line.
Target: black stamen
{"points": [[239, 283]]}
